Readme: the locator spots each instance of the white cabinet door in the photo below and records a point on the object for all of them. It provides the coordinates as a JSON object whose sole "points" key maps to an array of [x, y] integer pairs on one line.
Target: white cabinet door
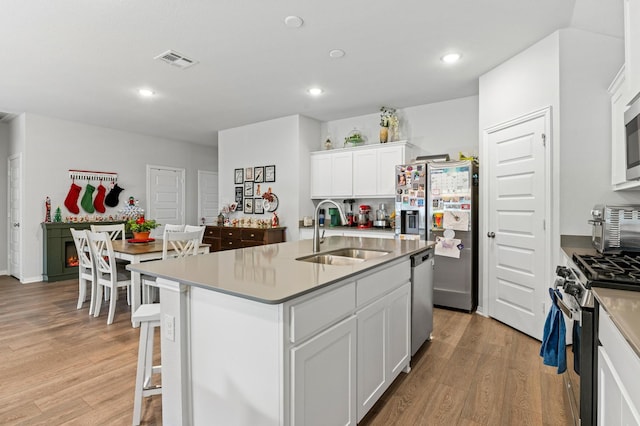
{"points": [[331, 174], [342, 174], [614, 405], [374, 170], [372, 348], [323, 377], [632, 46], [320, 175], [388, 159], [399, 318], [383, 345], [365, 168]]}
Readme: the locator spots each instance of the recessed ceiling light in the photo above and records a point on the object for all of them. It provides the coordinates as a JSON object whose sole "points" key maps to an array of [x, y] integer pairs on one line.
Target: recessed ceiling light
{"points": [[450, 58], [147, 93], [293, 21], [336, 53], [315, 91]]}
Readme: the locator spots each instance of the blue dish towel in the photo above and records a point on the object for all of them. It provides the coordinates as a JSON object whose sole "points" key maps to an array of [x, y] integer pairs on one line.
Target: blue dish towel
{"points": [[554, 350]]}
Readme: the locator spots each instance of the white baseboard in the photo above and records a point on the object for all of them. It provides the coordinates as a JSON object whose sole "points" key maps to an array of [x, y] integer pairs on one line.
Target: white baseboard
{"points": [[5, 272], [30, 280]]}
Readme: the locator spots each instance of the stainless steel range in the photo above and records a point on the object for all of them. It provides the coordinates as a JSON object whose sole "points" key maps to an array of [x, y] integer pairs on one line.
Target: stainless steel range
{"points": [[620, 271]]}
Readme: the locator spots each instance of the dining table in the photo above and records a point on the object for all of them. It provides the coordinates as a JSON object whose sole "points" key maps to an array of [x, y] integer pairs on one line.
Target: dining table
{"points": [[142, 252]]}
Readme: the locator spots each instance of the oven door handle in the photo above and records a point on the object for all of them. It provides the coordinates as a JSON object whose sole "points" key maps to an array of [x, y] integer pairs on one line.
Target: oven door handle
{"points": [[572, 314]]}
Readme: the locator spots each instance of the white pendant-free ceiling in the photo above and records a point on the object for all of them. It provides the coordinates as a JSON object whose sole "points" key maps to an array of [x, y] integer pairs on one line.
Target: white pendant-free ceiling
{"points": [[84, 61]]}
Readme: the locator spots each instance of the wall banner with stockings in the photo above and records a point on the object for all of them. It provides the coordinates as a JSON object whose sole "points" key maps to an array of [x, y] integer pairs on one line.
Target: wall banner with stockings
{"points": [[88, 202]]}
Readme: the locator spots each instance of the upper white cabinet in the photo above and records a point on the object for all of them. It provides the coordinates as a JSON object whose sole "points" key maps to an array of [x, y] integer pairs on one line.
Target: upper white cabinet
{"points": [[619, 97], [371, 172], [632, 46], [331, 174]]}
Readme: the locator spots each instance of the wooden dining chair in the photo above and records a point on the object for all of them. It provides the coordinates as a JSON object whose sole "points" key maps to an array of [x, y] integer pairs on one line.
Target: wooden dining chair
{"points": [[116, 232], [109, 274], [86, 269]]}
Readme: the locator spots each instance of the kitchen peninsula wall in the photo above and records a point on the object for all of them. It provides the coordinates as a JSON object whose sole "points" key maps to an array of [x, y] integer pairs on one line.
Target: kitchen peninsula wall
{"points": [[50, 147]]}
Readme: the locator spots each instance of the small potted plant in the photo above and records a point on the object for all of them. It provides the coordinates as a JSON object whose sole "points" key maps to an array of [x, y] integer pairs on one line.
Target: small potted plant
{"points": [[141, 227]]}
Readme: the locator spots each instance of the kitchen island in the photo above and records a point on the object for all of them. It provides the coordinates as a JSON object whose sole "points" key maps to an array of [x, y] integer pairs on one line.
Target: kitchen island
{"points": [[255, 336]]}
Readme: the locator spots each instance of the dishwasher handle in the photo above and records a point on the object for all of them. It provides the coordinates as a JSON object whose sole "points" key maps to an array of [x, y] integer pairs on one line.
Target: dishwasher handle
{"points": [[418, 259]]}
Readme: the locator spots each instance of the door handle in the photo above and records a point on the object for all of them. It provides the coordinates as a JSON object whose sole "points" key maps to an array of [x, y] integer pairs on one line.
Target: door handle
{"points": [[16, 225], [491, 234]]}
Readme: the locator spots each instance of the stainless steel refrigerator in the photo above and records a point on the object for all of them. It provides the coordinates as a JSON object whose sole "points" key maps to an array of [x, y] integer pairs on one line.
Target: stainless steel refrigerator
{"points": [[452, 221]]}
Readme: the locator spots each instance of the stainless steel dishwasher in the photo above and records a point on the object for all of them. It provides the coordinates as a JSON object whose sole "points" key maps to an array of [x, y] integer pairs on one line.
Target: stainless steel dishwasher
{"points": [[421, 298]]}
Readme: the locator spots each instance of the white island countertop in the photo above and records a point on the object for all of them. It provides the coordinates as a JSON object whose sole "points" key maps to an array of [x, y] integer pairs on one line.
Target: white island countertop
{"points": [[270, 273]]}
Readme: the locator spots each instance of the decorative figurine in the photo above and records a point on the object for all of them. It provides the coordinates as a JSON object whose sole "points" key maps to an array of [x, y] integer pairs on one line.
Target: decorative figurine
{"points": [[47, 204], [58, 216], [275, 221]]}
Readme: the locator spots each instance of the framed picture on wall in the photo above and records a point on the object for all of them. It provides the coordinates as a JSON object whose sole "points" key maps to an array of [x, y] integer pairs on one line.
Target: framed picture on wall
{"points": [[248, 174], [239, 195], [238, 176], [258, 208], [248, 205], [248, 189], [270, 173], [258, 174]]}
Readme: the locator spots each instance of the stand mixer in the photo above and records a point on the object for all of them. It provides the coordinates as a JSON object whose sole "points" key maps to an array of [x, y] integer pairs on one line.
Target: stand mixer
{"points": [[363, 217]]}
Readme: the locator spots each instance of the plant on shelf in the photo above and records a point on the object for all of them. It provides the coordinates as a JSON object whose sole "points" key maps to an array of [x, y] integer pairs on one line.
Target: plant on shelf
{"points": [[388, 119], [141, 227]]}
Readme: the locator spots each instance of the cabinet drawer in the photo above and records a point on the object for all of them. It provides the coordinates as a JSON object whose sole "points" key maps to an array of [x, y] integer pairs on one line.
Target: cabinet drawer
{"points": [[381, 281], [212, 231], [253, 234], [228, 243], [622, 356], [314, 314], [231, 234]]}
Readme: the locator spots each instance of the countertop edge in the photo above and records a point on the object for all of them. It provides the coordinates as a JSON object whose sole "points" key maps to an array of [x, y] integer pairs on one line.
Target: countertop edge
{"points": [[298, 294], [145, 268]]}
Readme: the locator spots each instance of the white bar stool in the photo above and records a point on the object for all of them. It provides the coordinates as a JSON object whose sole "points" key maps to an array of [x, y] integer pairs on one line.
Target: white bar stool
{"points": [[148, 316]]}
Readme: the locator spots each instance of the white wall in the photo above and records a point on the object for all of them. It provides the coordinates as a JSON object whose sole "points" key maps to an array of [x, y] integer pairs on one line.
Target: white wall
{"points": [[525, 83], [588, 64], [284, 142], [53, 146], [4, 154], [570, 70], [442, 127]]}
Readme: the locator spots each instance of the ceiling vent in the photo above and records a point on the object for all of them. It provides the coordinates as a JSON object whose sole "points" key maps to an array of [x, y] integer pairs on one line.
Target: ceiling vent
{"points": [[6, 117], [176, 59]]}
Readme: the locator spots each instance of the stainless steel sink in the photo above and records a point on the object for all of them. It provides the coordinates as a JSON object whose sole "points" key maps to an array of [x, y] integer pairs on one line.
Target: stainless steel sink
{"points": [[344, 256]]}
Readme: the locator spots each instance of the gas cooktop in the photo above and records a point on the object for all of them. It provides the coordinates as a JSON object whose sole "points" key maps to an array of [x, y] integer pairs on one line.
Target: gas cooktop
{"points": [[610, 270]]}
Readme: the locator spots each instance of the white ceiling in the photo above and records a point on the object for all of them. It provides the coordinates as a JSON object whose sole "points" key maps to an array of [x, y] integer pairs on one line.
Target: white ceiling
{"points": [[85, 60]]}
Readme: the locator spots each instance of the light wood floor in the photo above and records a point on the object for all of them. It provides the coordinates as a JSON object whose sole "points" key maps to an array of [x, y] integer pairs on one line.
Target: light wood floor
{"points": [[58, 365]]}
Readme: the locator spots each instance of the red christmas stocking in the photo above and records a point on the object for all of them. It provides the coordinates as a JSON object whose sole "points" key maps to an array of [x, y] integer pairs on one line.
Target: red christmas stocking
{"points": [[98, 202], [71, 202]]}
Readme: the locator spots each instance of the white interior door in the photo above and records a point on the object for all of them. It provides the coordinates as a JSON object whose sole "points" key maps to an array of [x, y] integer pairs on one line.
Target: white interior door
{"points": [[165, 194], [517, 236], [14, 216], [207, 196]]}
